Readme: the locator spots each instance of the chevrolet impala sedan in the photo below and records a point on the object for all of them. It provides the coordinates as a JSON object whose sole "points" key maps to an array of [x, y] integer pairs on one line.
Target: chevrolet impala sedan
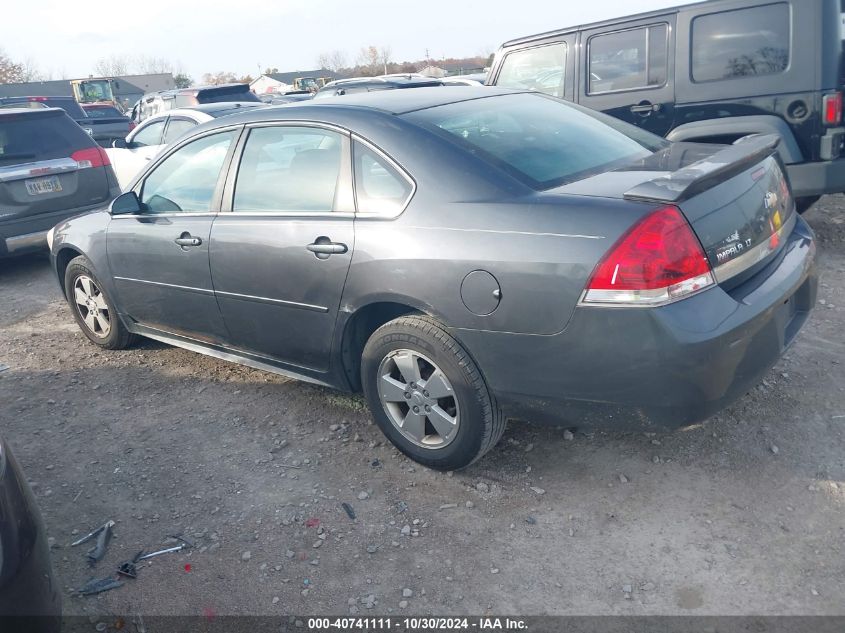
{"points": [[463, 256]]}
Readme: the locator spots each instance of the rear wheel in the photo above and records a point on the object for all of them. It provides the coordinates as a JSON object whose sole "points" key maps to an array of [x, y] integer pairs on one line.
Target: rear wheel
{"points": [[91, 307], [427, 395]]}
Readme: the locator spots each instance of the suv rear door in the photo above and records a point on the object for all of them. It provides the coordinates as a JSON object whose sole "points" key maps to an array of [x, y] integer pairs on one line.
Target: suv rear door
{"points": [[627, 71], [48, 167]]}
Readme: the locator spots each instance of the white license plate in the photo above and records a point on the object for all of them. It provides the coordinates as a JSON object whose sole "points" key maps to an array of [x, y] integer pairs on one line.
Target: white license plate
{"points": [[37, 186]]}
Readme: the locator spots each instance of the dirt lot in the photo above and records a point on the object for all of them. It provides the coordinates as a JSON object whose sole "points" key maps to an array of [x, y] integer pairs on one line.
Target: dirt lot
{"points": [[743, 515]]}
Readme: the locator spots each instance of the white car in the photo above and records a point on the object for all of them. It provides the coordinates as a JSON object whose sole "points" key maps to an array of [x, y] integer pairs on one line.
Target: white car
{"points": [[143, 143]]}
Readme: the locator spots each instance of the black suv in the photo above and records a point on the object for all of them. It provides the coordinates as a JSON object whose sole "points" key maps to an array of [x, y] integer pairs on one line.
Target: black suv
{"points": [[50, 169], [707, 72]]}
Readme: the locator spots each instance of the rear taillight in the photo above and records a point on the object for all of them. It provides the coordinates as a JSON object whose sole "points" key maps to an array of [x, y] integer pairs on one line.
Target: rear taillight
{"points": [[832, 108], [658, 261], [91, 157]]}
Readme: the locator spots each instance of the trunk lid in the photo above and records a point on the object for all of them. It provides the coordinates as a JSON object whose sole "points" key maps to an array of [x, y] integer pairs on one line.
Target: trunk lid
{"points": [[736, 198]]}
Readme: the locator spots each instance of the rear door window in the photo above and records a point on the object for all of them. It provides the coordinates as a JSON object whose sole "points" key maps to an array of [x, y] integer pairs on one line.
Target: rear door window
{"points": [[176, 128], [628, 60], [291, 169], [27, 138], [541, 68], [741, 43]]}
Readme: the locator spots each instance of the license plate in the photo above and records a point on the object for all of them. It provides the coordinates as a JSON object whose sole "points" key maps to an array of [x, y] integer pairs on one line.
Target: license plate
{"points": [[37, 186]]}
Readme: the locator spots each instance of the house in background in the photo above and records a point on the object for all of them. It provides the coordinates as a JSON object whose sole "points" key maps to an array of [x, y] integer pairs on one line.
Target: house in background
{"points": [[127, 88], [281, 82]]}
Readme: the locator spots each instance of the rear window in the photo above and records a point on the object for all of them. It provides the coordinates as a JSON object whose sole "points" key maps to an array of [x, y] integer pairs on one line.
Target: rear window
{"points": [[214, 96], [541, 141], [741, 43], [103, 112], [26, 138]]}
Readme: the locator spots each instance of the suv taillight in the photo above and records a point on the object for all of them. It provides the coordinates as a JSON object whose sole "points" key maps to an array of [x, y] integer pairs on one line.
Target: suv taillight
{"points": [[658, 261], [91, 157], [832, 108]]}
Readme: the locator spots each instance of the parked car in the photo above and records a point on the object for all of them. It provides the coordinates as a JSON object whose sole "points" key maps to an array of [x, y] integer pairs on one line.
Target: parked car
{"points": [[473, 79], [128, 156], [157, 102], [288, 97], [708, 72], [101, 128], [107, 122], [30, 597], [464, 257], [353, 85], [50, 169]]}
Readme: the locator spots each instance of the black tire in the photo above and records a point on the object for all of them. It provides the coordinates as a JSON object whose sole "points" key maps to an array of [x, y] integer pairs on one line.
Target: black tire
{"points": [[117, 336], [481, 423], [804, 204]]}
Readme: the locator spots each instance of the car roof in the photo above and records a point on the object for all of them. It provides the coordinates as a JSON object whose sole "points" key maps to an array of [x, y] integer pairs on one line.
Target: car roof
{"points": [[402, 101], [398, 81]]}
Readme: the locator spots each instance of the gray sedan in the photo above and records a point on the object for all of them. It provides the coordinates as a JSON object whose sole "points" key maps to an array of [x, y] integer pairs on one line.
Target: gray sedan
{"points": [[462, 256]]}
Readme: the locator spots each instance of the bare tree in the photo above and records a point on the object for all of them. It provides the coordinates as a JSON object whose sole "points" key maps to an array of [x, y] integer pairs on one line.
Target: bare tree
{"points": [[384, 57], [10, 72], [157, 65], [368, 60], [220, 77], [113, 65], [332, 60]]}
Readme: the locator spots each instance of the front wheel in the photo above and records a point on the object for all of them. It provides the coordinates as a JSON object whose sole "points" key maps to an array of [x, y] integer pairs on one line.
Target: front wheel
{"points": [[427, 395], [91, 307]]}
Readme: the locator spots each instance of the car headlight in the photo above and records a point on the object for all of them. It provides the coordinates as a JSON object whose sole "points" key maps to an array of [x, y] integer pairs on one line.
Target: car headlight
{"points": [[50, 235]]}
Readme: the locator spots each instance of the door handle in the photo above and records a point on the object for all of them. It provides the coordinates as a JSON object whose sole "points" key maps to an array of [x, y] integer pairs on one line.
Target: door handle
{"points": [[323, 247], [645, 108], [186, 239]]}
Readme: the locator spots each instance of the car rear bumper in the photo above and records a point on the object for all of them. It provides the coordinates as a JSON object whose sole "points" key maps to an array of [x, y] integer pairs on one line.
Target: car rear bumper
{"points": [[662, 367], [818, 178], [29, 233]]}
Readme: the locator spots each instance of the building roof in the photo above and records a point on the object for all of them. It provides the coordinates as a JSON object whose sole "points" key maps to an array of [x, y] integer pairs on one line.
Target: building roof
{"points": [[128, 85]]}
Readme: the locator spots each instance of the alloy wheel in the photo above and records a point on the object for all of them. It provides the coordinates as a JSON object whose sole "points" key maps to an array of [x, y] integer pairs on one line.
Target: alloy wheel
{"points": [[91, 305], [418, 398]]}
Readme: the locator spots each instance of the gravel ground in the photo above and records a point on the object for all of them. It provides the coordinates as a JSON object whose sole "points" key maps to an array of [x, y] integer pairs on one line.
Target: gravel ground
{"points": [[741, 515]]}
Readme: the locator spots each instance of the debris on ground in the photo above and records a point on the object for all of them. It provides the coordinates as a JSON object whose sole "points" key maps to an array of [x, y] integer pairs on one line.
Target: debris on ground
{"points": [[348, 509], [99, 585]]}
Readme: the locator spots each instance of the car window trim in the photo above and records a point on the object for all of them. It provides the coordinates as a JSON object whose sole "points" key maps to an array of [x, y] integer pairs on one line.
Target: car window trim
{"points": [[216, 198], [395, 164], [346, 177], [170, 119], [645, 27]]}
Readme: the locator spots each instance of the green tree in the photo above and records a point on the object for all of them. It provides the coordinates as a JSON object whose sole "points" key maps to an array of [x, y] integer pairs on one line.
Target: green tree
{"points": [[182, 80]]}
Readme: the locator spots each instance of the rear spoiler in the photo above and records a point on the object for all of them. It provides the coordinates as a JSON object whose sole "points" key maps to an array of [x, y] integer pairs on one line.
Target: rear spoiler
{"points": [[703, 174]]}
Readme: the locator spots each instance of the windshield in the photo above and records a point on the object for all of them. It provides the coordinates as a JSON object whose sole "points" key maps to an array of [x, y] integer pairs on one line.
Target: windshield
{"points": [[540, 140], [95, 90]]}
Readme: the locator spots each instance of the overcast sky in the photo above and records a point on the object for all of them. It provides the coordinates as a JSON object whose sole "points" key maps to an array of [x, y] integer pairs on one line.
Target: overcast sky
{"points": [[63, 37]]}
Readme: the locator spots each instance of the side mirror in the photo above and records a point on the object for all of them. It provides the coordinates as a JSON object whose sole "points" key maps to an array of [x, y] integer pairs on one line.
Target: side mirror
{"points": [[120, 143], [126, 204]]}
